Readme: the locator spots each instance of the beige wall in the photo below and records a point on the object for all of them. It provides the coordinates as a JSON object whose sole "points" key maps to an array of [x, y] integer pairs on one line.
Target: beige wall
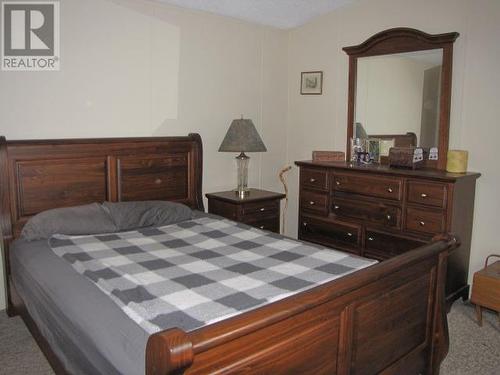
{"points": [[320, 122], [132, 68]]}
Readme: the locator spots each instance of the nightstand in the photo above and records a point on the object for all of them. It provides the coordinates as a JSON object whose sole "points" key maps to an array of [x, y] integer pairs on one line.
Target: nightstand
{"points": [[260, 208]]}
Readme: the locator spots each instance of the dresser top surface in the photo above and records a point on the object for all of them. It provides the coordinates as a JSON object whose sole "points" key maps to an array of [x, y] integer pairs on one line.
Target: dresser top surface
{"points": [[385, 169]]}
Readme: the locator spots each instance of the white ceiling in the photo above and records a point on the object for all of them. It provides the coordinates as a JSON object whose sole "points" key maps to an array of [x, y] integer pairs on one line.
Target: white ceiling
{"points": [[283, 14]]}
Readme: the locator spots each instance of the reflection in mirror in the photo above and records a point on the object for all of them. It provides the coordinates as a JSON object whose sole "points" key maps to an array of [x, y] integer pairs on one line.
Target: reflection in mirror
{"points": [[399, 95]]}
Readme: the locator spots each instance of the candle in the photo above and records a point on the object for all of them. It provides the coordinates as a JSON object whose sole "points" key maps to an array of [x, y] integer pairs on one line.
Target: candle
{"points": [[457, 161]]}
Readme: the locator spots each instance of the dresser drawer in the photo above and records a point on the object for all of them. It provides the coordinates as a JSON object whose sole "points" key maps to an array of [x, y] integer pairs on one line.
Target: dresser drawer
{"points": [[425, 221], [314, 202], [370, 212], [383, 246], [381, 187], [314, 178], [428, 193], [345, 236]]}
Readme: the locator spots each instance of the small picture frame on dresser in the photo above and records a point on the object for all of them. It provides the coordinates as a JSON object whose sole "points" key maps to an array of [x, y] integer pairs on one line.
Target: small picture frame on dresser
{"points": [[374, 149]]}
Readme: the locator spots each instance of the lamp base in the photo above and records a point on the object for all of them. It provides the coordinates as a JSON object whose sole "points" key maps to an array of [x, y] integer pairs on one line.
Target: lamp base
{"points": [[242, 194], [242, 162]]}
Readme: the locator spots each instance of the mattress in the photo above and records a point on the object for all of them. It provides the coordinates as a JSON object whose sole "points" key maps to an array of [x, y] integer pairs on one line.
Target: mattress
{"points": [[85, 328]]}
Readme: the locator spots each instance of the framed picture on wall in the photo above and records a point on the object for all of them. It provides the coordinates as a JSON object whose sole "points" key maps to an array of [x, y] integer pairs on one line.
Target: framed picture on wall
{"points": [[311, 83]]}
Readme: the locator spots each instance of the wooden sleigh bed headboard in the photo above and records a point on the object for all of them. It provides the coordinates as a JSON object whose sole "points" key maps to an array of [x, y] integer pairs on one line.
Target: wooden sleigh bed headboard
{"points": [[37, 175]]}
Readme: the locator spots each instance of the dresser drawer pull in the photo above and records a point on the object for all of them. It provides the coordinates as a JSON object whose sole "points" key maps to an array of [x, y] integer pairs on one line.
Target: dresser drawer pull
{"points": [[312, 180], [262, 209], [337, 183], [158, 181], [370, 238], [311, 203], [422, 223], [423, 195], [389, 190], [349, 234], [336, 207]]}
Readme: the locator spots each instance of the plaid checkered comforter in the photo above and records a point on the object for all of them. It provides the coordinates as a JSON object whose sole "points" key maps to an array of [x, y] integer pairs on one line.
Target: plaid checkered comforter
{"points": [[200, 271]]}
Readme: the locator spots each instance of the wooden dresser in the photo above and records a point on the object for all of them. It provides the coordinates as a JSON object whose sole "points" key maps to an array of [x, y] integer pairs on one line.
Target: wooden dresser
{"points": [[380, 212]]}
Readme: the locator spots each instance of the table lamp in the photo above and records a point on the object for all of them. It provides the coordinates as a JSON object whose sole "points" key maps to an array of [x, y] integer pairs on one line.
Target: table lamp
{"points": [[242, 137]]}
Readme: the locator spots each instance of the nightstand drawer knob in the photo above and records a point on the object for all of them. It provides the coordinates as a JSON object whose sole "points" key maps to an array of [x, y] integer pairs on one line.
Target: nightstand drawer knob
{"points": [[261, 227], [422, 223], [304, 224], [158, 181], [311, 203], [262, 209], [370, 238], [337, 183], [349, 234], [389, 217], [389, 190], [336, 207], [312, 180], [423, 195]]}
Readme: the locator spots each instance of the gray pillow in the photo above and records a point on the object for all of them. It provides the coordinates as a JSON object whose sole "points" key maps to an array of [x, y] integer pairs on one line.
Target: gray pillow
{"points": [[87, 219], [132, 215]]}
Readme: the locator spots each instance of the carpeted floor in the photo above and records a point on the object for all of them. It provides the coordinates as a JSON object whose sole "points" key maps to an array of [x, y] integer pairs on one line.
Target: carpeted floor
{"points": [[474, 350]]}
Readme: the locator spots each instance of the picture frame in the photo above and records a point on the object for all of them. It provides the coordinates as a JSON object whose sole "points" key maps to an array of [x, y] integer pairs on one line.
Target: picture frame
{"points": [[385, 146], [374, 149], [311, 83]]}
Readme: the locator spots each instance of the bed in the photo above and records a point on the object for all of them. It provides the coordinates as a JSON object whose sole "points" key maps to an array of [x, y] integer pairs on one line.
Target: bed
{"points": [[387, 318]]}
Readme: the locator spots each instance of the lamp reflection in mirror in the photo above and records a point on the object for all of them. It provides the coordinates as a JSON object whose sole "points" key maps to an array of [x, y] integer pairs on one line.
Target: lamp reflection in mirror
{"points": [[242, 136]]}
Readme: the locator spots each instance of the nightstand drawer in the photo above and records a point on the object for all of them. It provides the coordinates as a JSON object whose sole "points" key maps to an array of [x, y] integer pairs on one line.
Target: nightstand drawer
{"points": [[425, 221], [314, 178], [261, 209], [314, 202], [271, 224]]}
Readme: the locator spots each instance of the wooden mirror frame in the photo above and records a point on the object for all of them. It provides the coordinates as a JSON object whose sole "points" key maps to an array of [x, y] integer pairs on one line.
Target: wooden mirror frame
{"points": [[399, 40]]}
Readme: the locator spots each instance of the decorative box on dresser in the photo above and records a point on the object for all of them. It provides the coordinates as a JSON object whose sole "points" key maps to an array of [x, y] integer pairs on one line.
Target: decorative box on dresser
{"points": [[260, 209], [380, 212]]}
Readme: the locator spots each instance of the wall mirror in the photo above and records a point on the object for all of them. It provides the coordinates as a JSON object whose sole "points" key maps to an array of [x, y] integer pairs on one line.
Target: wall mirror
{"points": [[399, 92]]}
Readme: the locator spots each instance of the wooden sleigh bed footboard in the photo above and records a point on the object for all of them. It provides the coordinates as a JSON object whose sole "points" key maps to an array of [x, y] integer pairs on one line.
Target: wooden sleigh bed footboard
{"points": [[389, 318]]}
